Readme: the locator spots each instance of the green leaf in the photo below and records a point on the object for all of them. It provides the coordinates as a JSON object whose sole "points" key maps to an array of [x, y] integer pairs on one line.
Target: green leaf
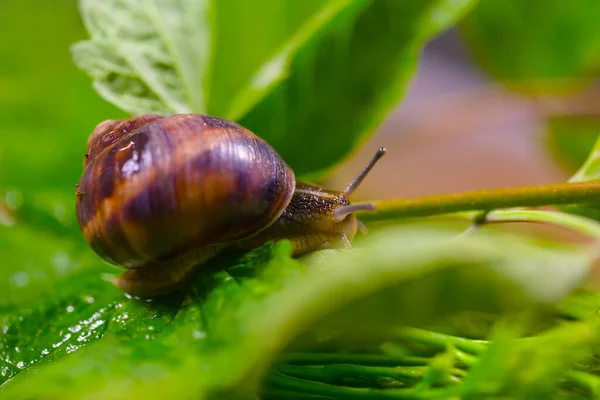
{"points": [[315, 71], [571, 138], [581, 305], [532, 368], [536, 46], [513, 274], [150, 57], [193, 55], [589, 171], [85, 338], [249, 61], [27, 272], [40, 242], [345, 81]]}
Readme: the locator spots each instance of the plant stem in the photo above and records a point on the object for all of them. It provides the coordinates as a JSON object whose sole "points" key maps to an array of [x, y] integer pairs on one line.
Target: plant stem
{"points": [[577, 223], [281, 381], [585, 380], [361, 359], [279, 394], [465, 359], [335, 372], [441, 341], [487, 200]]}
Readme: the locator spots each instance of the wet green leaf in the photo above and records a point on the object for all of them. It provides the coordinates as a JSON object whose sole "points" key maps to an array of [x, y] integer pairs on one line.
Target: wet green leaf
{"points": [[85, 335], [33, 259]]}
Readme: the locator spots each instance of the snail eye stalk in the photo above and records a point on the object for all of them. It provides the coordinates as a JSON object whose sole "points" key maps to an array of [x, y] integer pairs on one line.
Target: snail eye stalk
{"points": [[361, 176], [342, 212]]}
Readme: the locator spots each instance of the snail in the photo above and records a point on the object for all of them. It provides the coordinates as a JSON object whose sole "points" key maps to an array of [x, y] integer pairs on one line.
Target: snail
{"points": [[161, 195]]}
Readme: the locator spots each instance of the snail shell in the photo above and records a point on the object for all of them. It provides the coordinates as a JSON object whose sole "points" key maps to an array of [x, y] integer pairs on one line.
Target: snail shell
{"points": [[162, 195], [156, 189]]}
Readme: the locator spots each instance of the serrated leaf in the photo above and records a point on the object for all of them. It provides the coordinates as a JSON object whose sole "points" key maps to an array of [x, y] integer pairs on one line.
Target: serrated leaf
{"points": [[536, 46], [150, 56], [85, 338], [192, 55]]}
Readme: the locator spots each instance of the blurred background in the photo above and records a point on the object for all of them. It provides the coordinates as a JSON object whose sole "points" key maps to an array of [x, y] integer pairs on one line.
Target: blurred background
{"points": [[460, 129], [496, 102]]}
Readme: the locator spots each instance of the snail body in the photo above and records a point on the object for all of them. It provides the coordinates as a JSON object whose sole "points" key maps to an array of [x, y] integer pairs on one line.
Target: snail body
{"points": [[160, 196]]}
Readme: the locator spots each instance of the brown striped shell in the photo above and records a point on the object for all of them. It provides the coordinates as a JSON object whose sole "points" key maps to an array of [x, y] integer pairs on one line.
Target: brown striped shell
{"points": [[157, 188]]}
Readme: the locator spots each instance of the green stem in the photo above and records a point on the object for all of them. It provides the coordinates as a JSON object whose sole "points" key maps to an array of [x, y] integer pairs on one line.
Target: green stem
{"points": [[361, 359], [464, 359], [577, 223], [585, 380], [487, 200], [281, 381], [279, 394], [441, 341], [333, 373]]}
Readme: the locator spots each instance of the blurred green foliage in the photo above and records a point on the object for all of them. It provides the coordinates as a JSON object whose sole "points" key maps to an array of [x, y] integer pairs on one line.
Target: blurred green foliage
{"points": [[317, 77], [589, 171], [536, 46], [570, 139], [47, 106]]}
